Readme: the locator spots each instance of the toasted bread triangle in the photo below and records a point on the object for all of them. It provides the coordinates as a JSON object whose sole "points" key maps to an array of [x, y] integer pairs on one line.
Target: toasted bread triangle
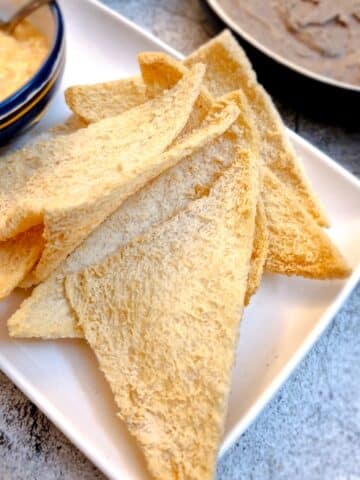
{"points": [[259, 253], [160, 72], [297, 245], [162, 316], [103, 100], [18, 256], [228, 69]]}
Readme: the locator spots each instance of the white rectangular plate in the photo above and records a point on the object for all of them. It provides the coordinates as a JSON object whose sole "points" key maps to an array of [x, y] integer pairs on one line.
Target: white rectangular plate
{"points": [[283, 321]]}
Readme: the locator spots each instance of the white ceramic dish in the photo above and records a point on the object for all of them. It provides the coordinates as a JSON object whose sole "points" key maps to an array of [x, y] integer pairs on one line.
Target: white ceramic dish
{"points": [[283, 321], [226, 17]]}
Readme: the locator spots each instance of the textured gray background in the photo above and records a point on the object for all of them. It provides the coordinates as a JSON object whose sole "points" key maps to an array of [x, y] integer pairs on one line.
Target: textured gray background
{"points": [[311, 429]]}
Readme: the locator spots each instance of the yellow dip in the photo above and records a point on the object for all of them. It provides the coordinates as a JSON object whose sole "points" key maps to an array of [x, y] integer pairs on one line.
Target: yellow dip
{"points": [[21, 55]]}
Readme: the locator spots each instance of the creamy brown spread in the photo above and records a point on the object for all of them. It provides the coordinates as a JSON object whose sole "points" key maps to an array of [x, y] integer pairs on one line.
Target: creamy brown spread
{"points": [[320, 35], [21, 54]]}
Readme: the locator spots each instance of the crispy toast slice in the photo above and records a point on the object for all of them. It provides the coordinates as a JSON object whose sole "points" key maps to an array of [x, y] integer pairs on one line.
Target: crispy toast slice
{"points": [[108, 99], [297, 245], [260, 252], [228, 69], [18, 256], [162, 316]]}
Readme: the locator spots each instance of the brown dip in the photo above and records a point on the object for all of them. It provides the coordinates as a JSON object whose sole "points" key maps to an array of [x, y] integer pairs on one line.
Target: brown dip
{"points": [[320, 35], [21, 55]]}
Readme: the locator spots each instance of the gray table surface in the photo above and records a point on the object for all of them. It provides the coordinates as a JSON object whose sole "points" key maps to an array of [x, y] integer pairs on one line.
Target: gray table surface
{"points": [[311, 429]]}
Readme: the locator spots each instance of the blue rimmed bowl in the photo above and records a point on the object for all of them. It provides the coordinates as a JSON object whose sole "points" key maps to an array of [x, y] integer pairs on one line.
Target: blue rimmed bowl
{"points": [[25, 106]]}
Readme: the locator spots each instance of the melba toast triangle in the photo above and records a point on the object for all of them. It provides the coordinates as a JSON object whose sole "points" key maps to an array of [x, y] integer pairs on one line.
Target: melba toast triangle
{"points": [[18, 256], [103, 100], [297, 245], [228, 69], [259, 253], [162, 316]]}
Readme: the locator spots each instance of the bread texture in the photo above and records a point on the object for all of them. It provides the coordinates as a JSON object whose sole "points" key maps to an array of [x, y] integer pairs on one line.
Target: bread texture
{"points": [[159, 72], [18, 256], [46, 313], [71, 125], [162, 316], [297, 245], [103, 100], [228, 69], [260, 252], [71, 183]]}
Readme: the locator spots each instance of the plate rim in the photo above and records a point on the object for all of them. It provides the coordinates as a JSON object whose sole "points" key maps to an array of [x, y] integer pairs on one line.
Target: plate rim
{"points": [[63, 424], [220, 12]]}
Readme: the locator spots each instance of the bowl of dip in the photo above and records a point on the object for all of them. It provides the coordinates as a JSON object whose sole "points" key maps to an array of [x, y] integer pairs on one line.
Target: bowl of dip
{"points": [[319, 39], [31, 67]]}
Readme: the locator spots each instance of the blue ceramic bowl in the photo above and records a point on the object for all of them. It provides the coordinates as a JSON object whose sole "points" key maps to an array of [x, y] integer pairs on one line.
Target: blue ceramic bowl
{"points": [[25, 106]]}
